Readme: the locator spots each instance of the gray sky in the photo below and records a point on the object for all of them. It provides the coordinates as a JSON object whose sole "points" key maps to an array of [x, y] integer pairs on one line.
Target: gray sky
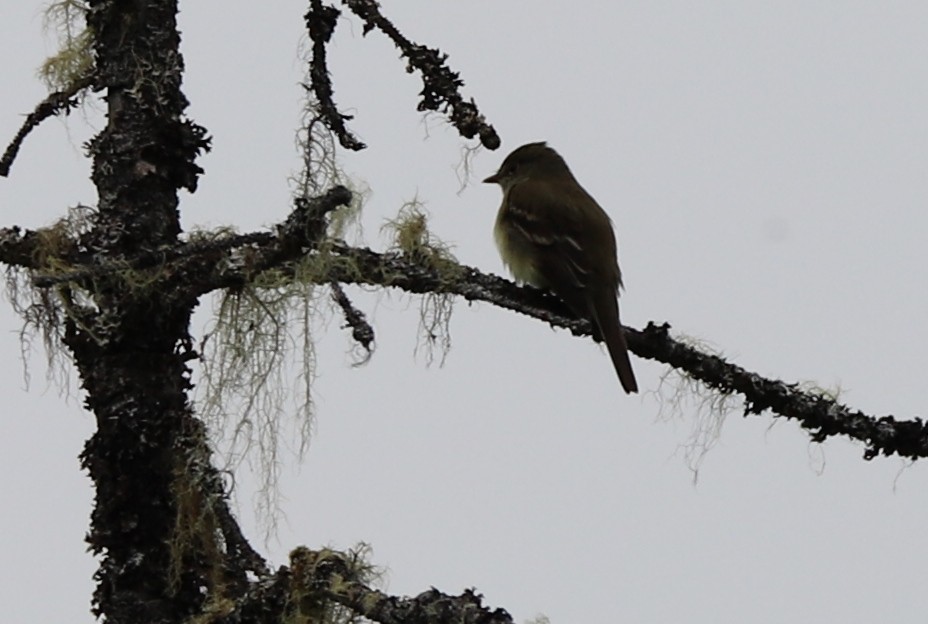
{"points": [[765, 166]]}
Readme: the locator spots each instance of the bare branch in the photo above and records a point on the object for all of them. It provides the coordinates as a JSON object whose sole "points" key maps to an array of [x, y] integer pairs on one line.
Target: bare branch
{"points": [[361, 330], [320, 22], [439, 84], [822, 416], [52, 105]]}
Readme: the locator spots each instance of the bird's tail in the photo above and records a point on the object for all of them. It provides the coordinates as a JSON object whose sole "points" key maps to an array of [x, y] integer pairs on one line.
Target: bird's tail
{"points": [[606, 319]]}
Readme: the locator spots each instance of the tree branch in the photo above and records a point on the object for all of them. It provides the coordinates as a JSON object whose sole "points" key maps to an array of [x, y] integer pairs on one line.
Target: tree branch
{"points": [[18, 247], [319, 581], [822, 416], [230, 262], [361, 330], [53, 104], [440, 85], [320, 22]]}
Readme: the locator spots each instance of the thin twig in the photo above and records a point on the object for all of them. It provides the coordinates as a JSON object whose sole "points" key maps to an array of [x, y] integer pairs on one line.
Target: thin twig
{"points": [[320, 22], [51, 105], [440, 85], [361, 330]]}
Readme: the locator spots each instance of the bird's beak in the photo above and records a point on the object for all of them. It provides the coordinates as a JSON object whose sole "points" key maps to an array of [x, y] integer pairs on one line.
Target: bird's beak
{"points": [[493, 179]]}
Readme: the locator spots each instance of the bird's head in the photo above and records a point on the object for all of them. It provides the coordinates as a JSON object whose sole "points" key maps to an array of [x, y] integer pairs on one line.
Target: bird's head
{"points": [[527, 162]]}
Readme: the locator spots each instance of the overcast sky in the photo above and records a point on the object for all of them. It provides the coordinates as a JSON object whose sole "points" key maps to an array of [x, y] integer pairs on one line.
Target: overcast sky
{"points": [[765, 166]]}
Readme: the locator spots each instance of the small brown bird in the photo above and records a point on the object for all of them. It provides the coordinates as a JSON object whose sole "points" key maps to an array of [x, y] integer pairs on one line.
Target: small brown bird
{"points": [[553, 235]]}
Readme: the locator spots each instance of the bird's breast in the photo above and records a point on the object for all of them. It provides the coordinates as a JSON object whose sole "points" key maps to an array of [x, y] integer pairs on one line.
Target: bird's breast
{"points": [[517, 253]]}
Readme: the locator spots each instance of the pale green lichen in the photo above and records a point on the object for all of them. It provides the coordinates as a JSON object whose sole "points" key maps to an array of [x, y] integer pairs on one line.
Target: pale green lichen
{"points": [[681, 396], [74, 57], [410, 235]]}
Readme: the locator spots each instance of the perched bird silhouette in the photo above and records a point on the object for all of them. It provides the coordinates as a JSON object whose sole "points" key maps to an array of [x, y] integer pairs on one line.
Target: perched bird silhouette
{"points": [[553, 235]]}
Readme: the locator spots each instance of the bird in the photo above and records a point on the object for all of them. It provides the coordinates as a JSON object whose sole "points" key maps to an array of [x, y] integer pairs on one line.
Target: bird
{"points": [[552, 235]]}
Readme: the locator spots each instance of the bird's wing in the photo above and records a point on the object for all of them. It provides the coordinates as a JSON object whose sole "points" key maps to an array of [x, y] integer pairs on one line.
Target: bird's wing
{"points": [[552, 223], [575, 252]]}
